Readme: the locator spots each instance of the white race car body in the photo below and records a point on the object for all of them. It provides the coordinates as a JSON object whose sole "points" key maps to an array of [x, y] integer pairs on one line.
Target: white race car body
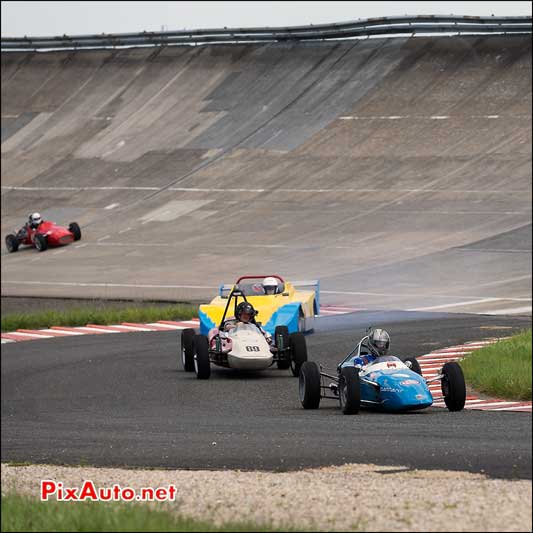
{"points": [[248, 348]]}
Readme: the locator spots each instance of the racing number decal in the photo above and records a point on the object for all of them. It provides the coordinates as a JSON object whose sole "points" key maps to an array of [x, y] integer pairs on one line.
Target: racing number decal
{"points": [[252, 348]]}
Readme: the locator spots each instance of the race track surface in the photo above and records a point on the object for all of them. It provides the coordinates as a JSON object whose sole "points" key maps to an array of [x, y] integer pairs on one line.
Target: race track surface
{"points": [[395, 170], [121, 400]]}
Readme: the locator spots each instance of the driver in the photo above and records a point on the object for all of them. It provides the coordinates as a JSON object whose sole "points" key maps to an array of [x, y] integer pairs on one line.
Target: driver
{"points": [[377, 343], [34, 221], [271, 285], [245, 314]]}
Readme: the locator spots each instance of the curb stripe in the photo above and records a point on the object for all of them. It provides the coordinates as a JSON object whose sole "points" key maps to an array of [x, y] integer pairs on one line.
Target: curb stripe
{"points": [[432, 362]]}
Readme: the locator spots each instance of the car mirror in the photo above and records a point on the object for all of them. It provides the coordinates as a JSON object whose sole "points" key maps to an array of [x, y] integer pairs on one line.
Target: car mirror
{"points": [[285, 294]]}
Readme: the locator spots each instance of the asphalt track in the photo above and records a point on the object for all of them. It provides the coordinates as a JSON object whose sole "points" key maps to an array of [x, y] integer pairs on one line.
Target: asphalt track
{"points": [[120, 400]]}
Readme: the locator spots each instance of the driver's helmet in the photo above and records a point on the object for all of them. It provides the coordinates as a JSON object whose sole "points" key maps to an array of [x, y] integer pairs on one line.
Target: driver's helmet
{"points": [[379, 341], [245, 312], [270, 285], [34, 220]]}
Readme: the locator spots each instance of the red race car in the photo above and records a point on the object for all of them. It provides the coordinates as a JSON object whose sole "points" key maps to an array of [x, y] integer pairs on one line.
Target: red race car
{"points": [[46, 234]]}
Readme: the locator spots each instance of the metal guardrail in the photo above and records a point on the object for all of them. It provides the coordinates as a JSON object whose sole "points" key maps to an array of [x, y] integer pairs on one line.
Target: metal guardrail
{"points": [[426, 24]]}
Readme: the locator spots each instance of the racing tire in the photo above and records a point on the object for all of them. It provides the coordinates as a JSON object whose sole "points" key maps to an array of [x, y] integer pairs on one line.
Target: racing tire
{"points": [[298, 352], [187, 349], [415, 365], [74, 228], [453, 386], [350, 391], [202, 365], [281, 338], [40, 241], [12, 243], [309, 385]]}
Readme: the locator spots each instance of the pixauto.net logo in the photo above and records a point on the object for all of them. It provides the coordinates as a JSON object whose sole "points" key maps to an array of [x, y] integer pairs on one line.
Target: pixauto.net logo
{"points": [[56, 490]]}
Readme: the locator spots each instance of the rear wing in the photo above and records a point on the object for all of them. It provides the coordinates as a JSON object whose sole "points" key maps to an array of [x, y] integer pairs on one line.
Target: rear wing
{"points": [[313, 284], [224, 290]]}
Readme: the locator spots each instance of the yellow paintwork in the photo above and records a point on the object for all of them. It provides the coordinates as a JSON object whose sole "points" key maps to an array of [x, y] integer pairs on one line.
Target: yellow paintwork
{"points": [[265, 304]]}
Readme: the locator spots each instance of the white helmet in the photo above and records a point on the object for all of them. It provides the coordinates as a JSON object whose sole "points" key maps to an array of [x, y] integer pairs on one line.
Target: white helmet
{"points": [[270, 285], [35, 219], [379, 341]]}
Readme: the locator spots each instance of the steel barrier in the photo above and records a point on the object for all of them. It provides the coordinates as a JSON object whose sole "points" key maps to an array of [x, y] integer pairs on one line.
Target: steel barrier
{"points": [[422, 24]]}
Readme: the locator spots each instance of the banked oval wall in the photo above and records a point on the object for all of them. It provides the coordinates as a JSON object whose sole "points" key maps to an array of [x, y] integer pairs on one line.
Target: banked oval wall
{"points": [[394, 169]]}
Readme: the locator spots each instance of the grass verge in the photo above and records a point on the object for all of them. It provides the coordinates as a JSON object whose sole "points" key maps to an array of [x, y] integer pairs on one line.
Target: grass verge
{"points": [[82, 316], [502, 369], [22, 513]]}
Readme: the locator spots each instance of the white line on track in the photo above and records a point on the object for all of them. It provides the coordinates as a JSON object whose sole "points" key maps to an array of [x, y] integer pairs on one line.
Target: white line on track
{"points": [[282, 190], [135, 285]]}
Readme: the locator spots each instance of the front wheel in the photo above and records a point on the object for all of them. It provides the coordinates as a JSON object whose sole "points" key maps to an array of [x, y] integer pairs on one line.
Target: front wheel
{"points": [[40, 241], [453, 386], [413, 364], [309, 385], [350, 391], [202, 365], [12, 243], [187, 349], [74, 228], [298, 352]]}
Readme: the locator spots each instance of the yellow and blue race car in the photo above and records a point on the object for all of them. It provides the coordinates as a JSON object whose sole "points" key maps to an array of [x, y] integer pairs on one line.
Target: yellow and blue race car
{"points": [[277, 302]]}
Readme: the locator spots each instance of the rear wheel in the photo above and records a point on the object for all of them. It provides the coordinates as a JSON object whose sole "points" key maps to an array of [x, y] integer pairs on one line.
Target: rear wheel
{"points": [[12, 243], [187, 349], [309, 385], [414, 365], [453, 386], [202, 365], [40, 241], [75, 230], [298, 352], [350, 391], [281, 336]]}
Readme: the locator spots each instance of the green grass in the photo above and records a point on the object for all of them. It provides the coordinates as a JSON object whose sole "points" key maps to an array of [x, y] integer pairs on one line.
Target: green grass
{"points": [[21, 513], [503, 369], [82, 316]]}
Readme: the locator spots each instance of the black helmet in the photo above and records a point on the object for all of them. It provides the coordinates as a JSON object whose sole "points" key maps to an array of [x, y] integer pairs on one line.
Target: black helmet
{"points": [[245, 307], [379, 341]]}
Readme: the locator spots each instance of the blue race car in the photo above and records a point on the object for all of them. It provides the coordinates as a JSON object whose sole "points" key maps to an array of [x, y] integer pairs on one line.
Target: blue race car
{"points": [[385, 383]]}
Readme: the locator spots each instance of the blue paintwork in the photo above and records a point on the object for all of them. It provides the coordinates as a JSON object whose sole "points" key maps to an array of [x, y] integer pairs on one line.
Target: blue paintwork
{"points": [[286, 315], [400, 389], [206, 323]]}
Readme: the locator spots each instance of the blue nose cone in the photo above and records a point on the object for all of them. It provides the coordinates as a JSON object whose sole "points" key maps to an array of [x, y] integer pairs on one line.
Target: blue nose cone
{"points": [[403, 390]]}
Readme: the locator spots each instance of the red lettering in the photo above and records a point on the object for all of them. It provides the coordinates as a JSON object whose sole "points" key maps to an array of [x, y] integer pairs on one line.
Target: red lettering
{"points": [[47, 488], [88, 491], [147, 494], [70, 494], [105, 494], [172, 492], [116, 492], [128, 494], [161, 494]]}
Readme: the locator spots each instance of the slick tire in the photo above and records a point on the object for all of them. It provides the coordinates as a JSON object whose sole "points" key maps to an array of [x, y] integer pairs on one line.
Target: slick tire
{"points": [[202, 365], [453, 386], [415, 365], [187, 349], [350, 391], [309, 385], [75, 230], [12, 243], [41, 243], [298, 352]]}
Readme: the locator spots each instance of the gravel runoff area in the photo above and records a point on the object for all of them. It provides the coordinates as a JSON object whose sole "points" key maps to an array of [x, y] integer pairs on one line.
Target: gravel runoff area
{"points": [[353, 497]]}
